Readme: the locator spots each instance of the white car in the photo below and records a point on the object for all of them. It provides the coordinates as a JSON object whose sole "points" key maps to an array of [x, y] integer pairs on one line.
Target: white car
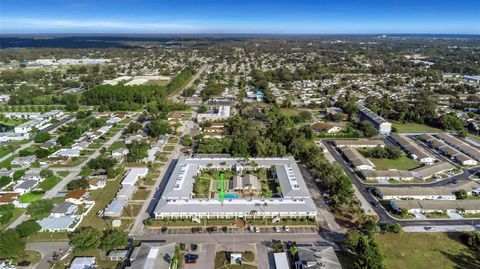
{"points": [[276, 229], [257, 230], [286, 228]]}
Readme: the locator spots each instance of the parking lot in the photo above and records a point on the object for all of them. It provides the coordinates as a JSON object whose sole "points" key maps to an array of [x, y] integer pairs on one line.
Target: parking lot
{"points": [[264, 230]]}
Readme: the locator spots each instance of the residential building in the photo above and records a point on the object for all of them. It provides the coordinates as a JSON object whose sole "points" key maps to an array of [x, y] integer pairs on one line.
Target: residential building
{"points": [[356, 160], [134, 175], [359, 143], [384, 127]]}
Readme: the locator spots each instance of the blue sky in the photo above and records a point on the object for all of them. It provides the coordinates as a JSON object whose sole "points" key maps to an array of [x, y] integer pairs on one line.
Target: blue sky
{"points": [[227, 16]]}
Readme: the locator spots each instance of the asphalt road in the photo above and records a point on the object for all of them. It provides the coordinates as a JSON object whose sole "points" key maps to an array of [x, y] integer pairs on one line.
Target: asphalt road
{"points": [[384, 217], [46, 250]]}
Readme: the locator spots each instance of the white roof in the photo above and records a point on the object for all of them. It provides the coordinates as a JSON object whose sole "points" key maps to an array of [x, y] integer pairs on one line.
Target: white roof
{"points": [[134, 174]]}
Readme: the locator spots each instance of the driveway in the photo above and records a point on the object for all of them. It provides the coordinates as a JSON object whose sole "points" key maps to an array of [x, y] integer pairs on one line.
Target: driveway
{"points": [[46, 249]]}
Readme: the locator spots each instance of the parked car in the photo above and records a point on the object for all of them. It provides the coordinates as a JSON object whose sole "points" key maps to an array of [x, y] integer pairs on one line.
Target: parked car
{"points": [[286, 228], [191, 256], [251, 229], [196, 230], [276, 229], [190, 260], [257, 230], [211, 229], [164, 229], [193, 247], [224, 229]]}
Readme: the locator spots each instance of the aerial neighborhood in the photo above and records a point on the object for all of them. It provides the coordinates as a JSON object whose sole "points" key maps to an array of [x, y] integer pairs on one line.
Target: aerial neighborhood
{"points": [[284, 152]]}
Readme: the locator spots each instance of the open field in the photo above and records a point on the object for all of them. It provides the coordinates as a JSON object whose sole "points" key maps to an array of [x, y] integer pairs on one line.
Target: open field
{"points": [[427, 250], [402, 163], [413, 127]]}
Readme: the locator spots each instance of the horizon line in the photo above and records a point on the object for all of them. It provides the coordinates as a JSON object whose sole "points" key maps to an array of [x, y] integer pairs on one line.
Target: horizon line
{"points": [[246, 33]]}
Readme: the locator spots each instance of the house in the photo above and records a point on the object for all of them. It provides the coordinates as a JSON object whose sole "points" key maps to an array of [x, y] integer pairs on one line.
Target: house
{"points": [[83, 263], [8, 198], [126, 192], [457, 206], [25, 186], [359, 143], [115, 208], [220, 113], [151, 155], [76, 196], [356, 159], [417, 193], [433, 170], [33, 174], [317, 257], [383, 126], [118, 255], [281, 260], [80, 145], [66, 223], [68, 153], [247, 183], [119, 153], [413, 149], [152, 255], [134, 175], [329, 128], [132, 138], [24, 162], [63, 208], [387, 174], [214, 131], [10, 136], [96, 183], [175, 116]]}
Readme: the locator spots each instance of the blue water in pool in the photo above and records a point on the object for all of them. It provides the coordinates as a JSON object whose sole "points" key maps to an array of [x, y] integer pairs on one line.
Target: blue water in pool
{"points": [[231, 196]]}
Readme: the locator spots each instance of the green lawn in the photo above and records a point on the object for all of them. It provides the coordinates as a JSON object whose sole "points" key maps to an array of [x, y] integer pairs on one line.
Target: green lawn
{"points": [[102, 198], [4, 150], [30, 197], [49, 183], [7, 162], [413, 127], [402, 163], [116, 145], [427, 250]]}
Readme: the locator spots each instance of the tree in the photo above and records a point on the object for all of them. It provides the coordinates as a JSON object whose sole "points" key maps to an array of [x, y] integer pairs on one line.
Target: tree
{"points": [[40, 209], [367, 129], [133, 127], [85, 238], [4, 181], [158, 127], [27, 228], [42, 153], [473, 240], [11, 245], [368, 255], [461, 194], [18, 174], [202, 109], [137, 151], [114, 239], [42, 137], [187, 140], [78, 184]]}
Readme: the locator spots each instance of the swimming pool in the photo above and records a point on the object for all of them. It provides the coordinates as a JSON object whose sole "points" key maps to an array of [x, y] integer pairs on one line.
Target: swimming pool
{"points": [[231, 195]]}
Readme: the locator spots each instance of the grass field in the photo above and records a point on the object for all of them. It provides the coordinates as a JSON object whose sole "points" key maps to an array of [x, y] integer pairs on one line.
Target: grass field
{"points": [[413, 127], [402, 163], [30, 197], [49, 183], [427, 250], [102, 198]]}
